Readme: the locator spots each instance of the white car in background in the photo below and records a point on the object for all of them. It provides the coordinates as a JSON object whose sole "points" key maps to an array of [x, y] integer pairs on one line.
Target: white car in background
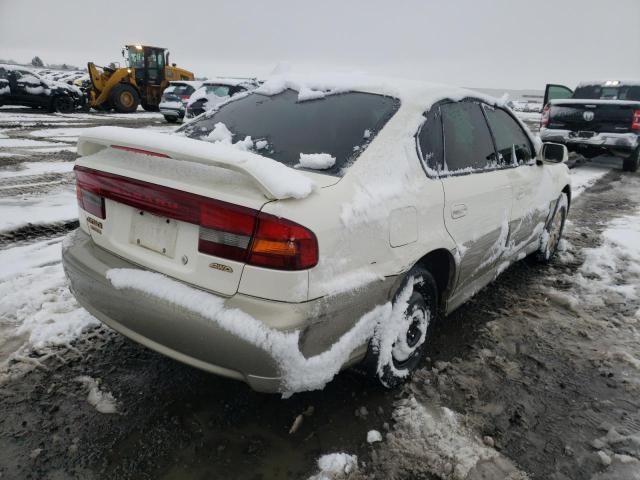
{"points": [[214, 92], [175, 97], [310, 225]]}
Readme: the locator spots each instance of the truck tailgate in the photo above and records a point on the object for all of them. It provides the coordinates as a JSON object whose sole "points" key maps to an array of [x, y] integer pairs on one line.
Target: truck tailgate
{"points": [[601, 116]]}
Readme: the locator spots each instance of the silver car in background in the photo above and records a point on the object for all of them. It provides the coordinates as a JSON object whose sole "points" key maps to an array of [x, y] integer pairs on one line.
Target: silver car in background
{"points": [[175, 98]]}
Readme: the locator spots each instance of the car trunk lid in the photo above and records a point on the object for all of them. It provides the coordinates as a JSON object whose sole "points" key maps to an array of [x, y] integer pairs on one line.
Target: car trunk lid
{"points": [[179, 206]]}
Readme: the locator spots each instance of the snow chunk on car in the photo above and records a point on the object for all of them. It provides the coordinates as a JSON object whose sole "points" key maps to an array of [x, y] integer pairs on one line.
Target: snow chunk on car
{"points": [[317, 161]]}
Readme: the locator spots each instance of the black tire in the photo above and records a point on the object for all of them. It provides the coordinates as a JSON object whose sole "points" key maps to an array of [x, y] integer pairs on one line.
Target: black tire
{"points": [[62, 104], [150, 108], [553, 231], [171, 118], [124, 98], [632, 163], [423, 301]]}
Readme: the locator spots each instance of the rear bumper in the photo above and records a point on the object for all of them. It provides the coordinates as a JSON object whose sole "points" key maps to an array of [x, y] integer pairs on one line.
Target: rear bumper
{"points": [[625, 142], [197, 341], [172, 112]]}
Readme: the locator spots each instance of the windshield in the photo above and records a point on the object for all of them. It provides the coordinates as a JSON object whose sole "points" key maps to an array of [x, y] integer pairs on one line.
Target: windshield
{"points": [[282, 128], [600, 92], [136, 58]]}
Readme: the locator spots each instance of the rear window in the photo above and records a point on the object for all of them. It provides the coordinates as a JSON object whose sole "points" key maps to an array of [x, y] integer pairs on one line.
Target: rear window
{"points": [[340, 125], [601, 92], [217, 90], [180, 90]]}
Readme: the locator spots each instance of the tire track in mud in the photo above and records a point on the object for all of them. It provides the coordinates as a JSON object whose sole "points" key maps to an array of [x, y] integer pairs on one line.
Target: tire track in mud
{"points": [[33, 184], [33, 232]]}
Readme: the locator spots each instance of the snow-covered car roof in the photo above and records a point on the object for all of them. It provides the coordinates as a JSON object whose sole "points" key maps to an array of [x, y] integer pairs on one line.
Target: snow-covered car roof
{"points": [[413, 93], [47, 80], [230, 81], [194, 83], [8, 66], [415, 96]]}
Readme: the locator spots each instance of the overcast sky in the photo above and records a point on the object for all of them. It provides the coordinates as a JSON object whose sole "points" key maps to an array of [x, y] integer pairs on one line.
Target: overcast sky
{"points": [[475, 43]]}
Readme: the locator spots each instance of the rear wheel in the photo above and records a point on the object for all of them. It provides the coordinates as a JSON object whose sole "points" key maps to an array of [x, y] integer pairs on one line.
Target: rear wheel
{"points": [[552, 233], [124, 98], [171, 118], [62, 105], [632, 163], [399, 344]]}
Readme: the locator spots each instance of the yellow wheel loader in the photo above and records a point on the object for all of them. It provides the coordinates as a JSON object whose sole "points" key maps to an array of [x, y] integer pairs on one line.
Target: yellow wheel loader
{"points": [[147, 74]]}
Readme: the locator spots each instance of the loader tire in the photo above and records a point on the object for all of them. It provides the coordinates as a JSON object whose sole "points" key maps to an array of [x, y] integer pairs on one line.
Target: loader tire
{"points": [[150, 108], [124, 98]]}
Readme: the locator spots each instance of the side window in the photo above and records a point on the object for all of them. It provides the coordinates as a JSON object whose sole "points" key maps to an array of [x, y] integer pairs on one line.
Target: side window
{"points": [[467, 142], [430, 140], [509, 136], [3, 74]]}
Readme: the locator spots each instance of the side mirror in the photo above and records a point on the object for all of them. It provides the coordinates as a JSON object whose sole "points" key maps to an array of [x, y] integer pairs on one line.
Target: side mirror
{"points": [[554, 152]]}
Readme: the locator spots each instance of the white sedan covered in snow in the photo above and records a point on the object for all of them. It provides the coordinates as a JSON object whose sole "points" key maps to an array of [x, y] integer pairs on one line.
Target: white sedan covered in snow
{"points": [[310, 225]]}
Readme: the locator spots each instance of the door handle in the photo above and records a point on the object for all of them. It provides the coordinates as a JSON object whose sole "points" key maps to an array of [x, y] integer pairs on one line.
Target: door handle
{"points": [[520, 195], [459, 210]]}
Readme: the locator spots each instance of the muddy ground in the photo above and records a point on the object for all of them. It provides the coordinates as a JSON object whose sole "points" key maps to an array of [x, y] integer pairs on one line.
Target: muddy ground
{"points": [[521, 364]]}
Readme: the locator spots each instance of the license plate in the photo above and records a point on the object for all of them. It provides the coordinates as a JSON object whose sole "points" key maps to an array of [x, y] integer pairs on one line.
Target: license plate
{"points": [[154, 233], [586, 134]]}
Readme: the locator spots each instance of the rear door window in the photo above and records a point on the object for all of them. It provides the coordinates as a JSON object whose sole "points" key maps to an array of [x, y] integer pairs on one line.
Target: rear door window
{"points": [[430, 142], [509, 137], [468, 145], [282, 128]]}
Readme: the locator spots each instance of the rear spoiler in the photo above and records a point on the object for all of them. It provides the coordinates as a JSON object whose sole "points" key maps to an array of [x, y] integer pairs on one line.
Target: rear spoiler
{"points": [[275, 180]]}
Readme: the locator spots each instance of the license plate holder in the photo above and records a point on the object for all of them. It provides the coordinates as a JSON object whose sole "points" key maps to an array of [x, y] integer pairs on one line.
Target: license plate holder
{"points": [[586, 134], [154, 233]]}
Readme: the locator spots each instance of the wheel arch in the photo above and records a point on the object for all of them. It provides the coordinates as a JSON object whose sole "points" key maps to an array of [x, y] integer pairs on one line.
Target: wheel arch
{"points": [[442, 266]]}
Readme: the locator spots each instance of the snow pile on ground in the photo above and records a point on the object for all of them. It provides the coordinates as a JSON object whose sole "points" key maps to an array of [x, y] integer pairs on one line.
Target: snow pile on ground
{"points": [[619, 454], [35, 300], [51, 207], [298, 373], [374, 436], [613, 268], [277, 180], [586, 176], [38, 168], [102, 401], [336, 466], [317, 161], [428, 438]]}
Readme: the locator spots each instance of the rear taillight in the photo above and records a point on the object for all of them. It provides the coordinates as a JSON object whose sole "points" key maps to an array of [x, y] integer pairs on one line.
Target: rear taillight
{"points": [[545, 116], [282, 244], [226, 230], [88, 193], [635, 123]]}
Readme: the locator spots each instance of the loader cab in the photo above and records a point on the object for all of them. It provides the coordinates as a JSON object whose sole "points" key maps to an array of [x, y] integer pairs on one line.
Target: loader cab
{"points": [[148, 62]]}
